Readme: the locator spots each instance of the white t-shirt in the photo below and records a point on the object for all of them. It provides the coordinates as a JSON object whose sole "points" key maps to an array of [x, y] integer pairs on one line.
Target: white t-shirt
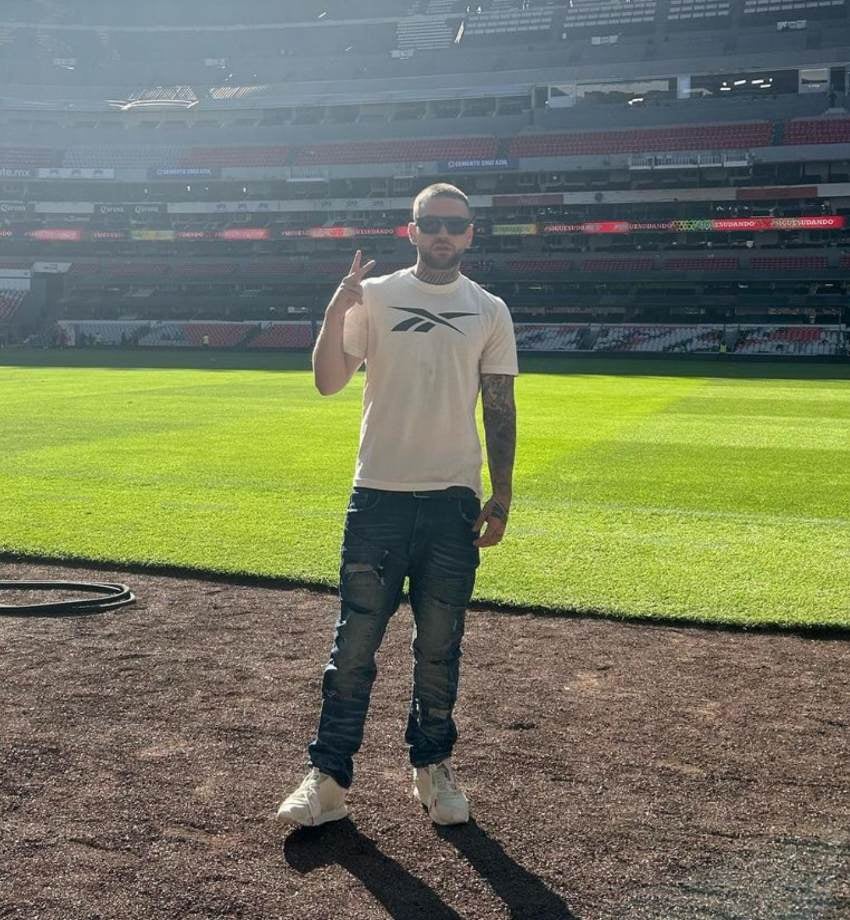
{"points": [[426, 347]]}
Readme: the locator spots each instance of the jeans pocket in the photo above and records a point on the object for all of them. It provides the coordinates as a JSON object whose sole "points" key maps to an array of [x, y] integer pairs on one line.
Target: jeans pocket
{"points": [[363, 499], [469, 507]]}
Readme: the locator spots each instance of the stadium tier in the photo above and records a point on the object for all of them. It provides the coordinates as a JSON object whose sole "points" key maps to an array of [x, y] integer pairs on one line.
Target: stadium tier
{"points": [[10, 300], [792, 340], [707, 137], [645, 176], [788, 341], [659, 339]]}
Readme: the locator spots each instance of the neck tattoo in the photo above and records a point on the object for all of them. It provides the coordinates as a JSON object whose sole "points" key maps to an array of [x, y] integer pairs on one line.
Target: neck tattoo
{"points": [[436, 275]]}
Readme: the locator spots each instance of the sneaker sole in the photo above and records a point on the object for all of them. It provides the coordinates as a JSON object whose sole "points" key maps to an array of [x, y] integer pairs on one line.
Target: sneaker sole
{"points": [[428, 811], [335, 815]]}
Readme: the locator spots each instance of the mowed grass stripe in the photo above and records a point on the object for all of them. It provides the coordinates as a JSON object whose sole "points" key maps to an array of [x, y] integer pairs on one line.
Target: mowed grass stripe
{"points": [[718, 498]]}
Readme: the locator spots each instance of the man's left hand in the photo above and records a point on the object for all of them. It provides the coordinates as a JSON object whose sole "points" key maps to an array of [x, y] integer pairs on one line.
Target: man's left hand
{"points": [[495, 515]]}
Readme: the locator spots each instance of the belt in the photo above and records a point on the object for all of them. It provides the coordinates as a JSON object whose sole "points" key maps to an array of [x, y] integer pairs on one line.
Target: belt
{"points": [[450, 492]]}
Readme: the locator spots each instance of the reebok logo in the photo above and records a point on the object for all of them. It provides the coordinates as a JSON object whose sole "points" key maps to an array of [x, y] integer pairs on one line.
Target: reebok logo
{"points": [[424, 320]]}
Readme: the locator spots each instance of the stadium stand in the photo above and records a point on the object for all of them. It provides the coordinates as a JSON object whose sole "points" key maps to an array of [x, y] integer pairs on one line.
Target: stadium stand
{"points": [[703, 137], [169, 334], [683, 10], [549, 336], [28, 157], [617, 265], [219, 335], [817, 131], [621, 338], [508, 24], [789, 341], [10, 300], [397, 151], [233, 156], [283, 335], [585, 14], [659, 339], [255, 146], [697, 264], [788, 263]]}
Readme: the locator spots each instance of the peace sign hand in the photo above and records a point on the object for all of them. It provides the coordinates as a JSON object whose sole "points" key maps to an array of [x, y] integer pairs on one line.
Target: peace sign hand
{"points": [[350, 290]]}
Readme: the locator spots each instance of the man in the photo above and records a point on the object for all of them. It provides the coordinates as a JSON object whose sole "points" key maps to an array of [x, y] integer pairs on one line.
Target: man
{"points": [[431, 338]]}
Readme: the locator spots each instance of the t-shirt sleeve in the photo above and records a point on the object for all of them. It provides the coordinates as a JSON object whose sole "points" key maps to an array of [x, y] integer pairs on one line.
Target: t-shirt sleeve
{"points": [[355, 331], [499, 355]]}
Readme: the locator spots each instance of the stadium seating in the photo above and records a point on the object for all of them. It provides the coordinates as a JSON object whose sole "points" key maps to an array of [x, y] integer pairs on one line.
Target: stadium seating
{"points": [[423, 33], [10, 300], [105, 332], [185, 271], [783, 7], [140, 269], [397, 151], [234, 156], [658, 338], [789, 263], [166, 333], [602, 14], [512, 24], [644, 140], [29, 157], [105, 156], [817, 131], [548, 336], [617, 265], [688, 264], [220, 335], [789, 340], [539, 266], [283, 335], [682, 10]]}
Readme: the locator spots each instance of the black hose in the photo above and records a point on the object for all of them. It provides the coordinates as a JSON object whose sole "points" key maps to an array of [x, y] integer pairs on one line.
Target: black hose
{"points": [[110, 597]]}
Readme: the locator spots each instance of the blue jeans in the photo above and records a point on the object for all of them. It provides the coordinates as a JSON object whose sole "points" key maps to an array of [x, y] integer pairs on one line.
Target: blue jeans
{"points": [[427, 537]]}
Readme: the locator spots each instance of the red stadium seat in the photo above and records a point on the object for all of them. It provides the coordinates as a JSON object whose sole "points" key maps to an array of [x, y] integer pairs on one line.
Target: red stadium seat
{"points": [[644, 140], [284, 335], [617, 265], [817, 131], [789, 263], [397, 151], [687, 264]]}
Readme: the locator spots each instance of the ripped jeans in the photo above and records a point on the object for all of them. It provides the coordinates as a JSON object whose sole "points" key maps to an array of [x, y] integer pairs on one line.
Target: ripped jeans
{"points": [[426, 537]]}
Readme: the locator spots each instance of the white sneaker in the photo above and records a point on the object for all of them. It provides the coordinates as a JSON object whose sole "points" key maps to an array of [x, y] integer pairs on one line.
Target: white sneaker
{"points": [[436, 787], [318, 799]]}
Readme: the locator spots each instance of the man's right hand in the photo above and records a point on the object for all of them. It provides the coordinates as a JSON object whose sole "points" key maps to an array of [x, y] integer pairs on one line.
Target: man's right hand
{"points": [[350, 290]]}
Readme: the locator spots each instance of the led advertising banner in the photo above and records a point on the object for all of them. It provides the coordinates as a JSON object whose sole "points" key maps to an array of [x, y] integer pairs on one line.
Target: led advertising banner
{"points": [[107, 235], [55, 233], [477, 165], [514, 230], [160, 235], [184, 172], [814, 222], [341, 233], [244, 233], [194, 235]]}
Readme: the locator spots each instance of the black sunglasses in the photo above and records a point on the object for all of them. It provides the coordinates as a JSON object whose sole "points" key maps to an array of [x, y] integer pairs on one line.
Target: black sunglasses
{"points": [[454, 225]]}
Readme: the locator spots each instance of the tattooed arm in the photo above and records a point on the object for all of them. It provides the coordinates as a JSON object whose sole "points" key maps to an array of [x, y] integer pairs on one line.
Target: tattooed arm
{"points": [[497, 396]]}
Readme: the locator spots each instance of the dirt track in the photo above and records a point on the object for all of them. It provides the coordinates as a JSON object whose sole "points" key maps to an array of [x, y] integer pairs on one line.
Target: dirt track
{"points": [[614, 770]]}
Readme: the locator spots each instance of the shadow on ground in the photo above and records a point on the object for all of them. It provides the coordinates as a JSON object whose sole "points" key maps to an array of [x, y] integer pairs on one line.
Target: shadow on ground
{"points": [[406, 897]]}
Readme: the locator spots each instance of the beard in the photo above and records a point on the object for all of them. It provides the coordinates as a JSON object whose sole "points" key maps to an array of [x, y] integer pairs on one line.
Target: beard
{"points": [[441, 261]]}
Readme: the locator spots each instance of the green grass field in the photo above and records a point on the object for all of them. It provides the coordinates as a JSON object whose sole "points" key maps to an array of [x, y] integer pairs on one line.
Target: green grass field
{"points": [[698, 490]]}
